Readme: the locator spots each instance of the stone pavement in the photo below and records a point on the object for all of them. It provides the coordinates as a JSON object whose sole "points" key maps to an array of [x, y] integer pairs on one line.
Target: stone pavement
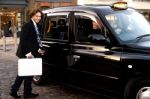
{"points": [[8, 72]]}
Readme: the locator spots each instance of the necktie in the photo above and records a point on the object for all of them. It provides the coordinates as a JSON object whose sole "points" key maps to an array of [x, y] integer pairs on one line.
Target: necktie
{"points": [[38, 36]]}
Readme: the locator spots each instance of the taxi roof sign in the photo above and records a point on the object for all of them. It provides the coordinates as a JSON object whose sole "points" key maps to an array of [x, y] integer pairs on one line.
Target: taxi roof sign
{"points": [[119, 5]]}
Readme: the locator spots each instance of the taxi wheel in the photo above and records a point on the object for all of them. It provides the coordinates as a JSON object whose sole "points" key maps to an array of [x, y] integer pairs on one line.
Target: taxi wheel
{"points": [[140, 90], [38, 80]]}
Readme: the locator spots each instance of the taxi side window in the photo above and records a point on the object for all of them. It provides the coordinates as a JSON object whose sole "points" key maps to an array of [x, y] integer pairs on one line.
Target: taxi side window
{"points": [[56, 27], [85, 26]]}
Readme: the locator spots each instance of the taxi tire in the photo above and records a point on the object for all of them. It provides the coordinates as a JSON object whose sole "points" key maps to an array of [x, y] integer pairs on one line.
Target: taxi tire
{"points": [[134, 87], [38, 80]]}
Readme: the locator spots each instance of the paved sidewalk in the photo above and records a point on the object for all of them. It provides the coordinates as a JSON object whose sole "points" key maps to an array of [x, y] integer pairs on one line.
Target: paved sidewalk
{"points": [[8, 72], [10, 45]]}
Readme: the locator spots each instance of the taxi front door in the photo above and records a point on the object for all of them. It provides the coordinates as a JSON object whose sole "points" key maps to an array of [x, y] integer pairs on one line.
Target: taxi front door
{"points": [[94, 65]]}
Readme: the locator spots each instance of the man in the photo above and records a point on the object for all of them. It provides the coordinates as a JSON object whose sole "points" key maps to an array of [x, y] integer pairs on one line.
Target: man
{"points": [[97, 29], [6, 30], [13, 30], [29, 47]]}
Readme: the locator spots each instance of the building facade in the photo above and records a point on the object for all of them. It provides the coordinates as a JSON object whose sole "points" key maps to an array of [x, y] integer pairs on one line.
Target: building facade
{"points": [[16, 11], [43, 4], [12, 12], [143, 6]]}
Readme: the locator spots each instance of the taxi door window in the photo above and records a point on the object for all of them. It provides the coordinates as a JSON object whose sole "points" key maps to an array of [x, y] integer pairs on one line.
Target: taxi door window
{"points": [[86, 25], [56, 26]]}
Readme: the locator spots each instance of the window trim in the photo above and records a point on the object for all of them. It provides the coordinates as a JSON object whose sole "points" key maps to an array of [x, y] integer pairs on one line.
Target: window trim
{"points": [[57, 14], [93, 17]]}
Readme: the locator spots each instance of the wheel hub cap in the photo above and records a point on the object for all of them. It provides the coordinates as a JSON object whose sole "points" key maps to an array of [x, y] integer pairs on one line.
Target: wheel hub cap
{"points": [[143, 93]]}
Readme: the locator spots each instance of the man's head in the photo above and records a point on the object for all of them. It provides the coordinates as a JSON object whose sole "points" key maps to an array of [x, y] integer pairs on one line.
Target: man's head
{"points": [[95, 25], [36, 15]]}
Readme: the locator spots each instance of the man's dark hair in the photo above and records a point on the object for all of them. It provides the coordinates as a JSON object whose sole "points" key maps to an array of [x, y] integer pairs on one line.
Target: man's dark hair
{"points": [[34, 12]]}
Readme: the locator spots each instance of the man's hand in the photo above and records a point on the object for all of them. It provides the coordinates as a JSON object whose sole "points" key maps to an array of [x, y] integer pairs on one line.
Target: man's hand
{"points": [[41, 51], [29, 55]]}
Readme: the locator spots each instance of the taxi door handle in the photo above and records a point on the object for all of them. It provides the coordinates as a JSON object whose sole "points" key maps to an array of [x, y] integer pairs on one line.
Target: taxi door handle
{"points": [[45, 45], [76, 57], [109, 53], [65, 49]]}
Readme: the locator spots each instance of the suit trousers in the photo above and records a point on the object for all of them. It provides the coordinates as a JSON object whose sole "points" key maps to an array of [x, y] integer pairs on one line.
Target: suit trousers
{"points": [[27, 84]]}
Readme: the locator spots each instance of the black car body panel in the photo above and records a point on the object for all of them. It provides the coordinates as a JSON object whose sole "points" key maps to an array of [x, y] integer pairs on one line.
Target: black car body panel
{"points": [[102, 65]]}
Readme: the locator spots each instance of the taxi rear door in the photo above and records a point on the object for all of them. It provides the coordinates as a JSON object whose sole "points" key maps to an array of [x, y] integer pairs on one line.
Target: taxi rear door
{"points": [[56, 44]]}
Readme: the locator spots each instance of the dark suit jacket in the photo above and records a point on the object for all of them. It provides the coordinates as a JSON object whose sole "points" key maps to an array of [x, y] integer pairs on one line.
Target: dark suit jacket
{"points": [[28, 41]]}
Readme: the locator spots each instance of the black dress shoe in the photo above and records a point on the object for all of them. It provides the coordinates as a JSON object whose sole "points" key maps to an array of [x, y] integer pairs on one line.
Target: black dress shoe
{"points": [[31, 95], [15, 95]]}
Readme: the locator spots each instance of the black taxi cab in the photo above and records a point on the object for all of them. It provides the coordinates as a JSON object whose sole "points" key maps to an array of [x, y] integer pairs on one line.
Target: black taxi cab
{"points": [[103, 49]]}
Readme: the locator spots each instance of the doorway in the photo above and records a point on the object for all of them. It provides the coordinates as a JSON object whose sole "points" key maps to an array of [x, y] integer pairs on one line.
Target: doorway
{"points": [[10, 16]]}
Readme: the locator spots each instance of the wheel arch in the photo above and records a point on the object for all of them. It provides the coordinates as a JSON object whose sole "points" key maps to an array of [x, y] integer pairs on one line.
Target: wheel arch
{"points": [[133, 83]]}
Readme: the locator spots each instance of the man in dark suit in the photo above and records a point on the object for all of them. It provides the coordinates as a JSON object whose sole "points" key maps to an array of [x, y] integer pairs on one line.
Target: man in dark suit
{"points": [[29, 47]]}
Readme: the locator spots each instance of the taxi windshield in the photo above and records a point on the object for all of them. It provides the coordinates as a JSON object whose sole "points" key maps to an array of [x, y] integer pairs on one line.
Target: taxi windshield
{"points": [[128, 26]]}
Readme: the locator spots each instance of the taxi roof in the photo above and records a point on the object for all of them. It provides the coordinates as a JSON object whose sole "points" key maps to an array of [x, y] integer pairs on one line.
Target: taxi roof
{"points": [[93, 9], [79, 8]]}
